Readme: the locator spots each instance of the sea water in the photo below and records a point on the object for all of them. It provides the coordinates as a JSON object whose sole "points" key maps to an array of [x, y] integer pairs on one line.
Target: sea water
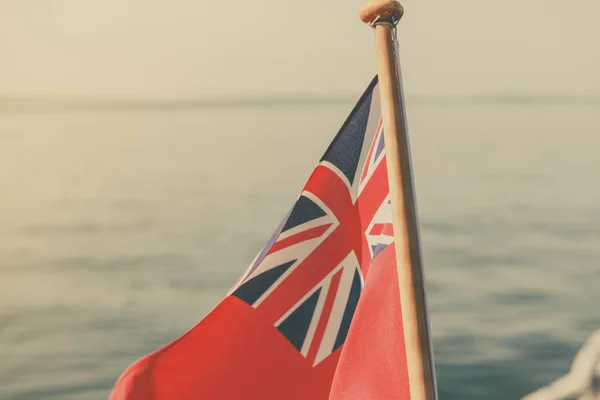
{"points": [[120, 229]]}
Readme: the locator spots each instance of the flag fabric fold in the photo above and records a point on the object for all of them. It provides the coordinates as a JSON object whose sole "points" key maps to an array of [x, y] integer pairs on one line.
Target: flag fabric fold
{"points": [[317, 313]]}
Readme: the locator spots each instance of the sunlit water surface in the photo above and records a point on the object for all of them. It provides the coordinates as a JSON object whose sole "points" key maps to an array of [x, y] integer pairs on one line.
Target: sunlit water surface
{"points": [[120, 230]]}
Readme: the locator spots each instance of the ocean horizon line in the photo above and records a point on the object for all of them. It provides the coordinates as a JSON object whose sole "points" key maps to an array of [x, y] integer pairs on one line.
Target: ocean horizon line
{"points": [[31, 104]]}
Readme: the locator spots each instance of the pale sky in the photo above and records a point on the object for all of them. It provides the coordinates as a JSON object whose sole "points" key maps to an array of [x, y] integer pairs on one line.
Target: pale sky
{"points": [[195, 48]]}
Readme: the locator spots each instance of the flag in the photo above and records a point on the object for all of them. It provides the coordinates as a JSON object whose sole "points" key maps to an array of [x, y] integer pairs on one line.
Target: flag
{"points": [[317, 313]]}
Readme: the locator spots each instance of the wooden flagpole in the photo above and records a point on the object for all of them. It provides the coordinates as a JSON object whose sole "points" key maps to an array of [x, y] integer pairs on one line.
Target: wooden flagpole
{"points": [[383, 15]]}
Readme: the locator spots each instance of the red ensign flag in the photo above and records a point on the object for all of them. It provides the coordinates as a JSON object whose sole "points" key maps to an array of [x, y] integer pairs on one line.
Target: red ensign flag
{"points": [[317, 314]]}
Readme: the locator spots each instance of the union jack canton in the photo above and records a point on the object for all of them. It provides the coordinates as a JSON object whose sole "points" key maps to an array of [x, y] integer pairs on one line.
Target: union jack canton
{"points": [[308, 279]]}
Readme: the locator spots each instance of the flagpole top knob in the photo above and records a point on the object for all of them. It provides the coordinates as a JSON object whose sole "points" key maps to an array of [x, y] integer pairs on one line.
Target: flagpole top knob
{"points": [[381, 10]]}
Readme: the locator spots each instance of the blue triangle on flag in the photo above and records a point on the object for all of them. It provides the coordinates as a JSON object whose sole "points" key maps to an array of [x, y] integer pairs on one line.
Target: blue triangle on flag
{"points": [[255, 287], [304, 210], [377, 248], [344, 151], [295, 326], [355, 291], [380, 146]]}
